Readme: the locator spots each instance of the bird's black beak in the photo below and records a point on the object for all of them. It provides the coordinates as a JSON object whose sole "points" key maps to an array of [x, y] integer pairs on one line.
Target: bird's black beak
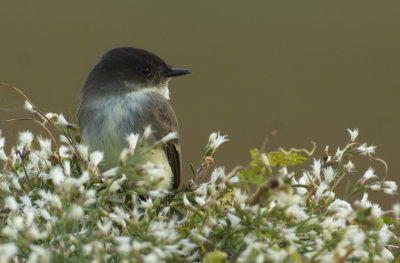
{"points": [[174, 72]]}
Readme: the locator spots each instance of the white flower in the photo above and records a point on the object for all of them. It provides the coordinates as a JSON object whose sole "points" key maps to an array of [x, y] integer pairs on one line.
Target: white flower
{"points": [[4, 186], [390, 187], [28, 106], [61, 121], [328, 174], [111, 172], [75, 212], [116, 185], [90, 196], [26, 200], [200, 200], [106, 227], [64, 152], [386, 255], [353, 134], [340, 208], [96, 157], [39, 254], [150, 258], [384, 235], [376, 211], [117, 219], [216, 140], [158, 193], [265, 160], [233, 219], [8, 251], [132, 140], [147, 132], [57, 175], [297, 211], [396, 210], [218, 173], [366, 150], [239, 196], [15, 182], [53, 199], [170, 136], [364, 203], [349, 166], [45, 214], [148, 204], [25, 139], [234, 180], [321, 190], [339, 154], [11, 203], [316, 167], [45, 146], [369, 174], [83, 151]]}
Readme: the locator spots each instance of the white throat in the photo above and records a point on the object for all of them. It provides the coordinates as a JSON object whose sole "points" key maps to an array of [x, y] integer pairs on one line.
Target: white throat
{"points": [[164, 90]]}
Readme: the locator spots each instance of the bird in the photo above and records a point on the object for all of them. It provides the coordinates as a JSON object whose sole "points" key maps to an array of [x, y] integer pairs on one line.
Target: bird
{"points": [[124, 93]]}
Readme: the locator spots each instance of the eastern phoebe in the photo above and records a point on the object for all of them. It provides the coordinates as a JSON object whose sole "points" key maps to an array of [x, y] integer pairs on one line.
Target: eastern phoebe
{"points": [[126, 91]]}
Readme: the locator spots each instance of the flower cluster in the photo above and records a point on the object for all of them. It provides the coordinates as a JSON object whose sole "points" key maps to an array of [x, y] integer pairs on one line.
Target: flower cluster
{"points": [[59, 206]]}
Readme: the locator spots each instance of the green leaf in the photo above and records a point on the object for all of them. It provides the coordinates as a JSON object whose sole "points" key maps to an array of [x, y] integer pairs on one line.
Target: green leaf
{"points": [[215, 257], [256, 179], [280, 159], [254, 153], [192, 168], [387, 220]]}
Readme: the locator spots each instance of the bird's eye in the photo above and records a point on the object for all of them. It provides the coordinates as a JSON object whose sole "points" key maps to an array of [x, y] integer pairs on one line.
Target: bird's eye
{"points": [[145, 70]]}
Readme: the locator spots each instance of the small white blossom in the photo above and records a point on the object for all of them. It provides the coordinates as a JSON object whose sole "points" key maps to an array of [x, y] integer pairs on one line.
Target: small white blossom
{"points": [[349, 166], [396, 210], [186, 201], [339, 154], [369, 174], [96, 157], [8, 251], [25, 139], [366, 150], [148, 204], [28, 106], [65, 152], [384, 235], [321, 190], [390, 187], [147, 132], [111, 172], [216, 140], [90, 196], [329, 174], [353, 134], [45, 147], [83, 151], [200, 200], [116, 185], [11, 203], [132, 140], [4, 186], [60, 120], [57, 175], [233, 219], [75, 212], [316, 167]]}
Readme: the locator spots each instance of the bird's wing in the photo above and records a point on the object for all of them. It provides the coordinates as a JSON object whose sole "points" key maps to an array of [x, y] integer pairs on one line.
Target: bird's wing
{"points": [[169, 123]]}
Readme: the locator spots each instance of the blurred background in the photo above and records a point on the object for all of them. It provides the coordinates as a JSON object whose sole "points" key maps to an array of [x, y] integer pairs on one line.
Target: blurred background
{"points": [[310, 69]]}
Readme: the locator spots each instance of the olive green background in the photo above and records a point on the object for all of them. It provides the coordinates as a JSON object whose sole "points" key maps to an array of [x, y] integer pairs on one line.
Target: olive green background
{"points": [[310, 69]]}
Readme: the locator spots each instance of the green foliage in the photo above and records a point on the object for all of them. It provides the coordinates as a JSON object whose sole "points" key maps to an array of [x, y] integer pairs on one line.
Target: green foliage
{"points": [[60, 207]]}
